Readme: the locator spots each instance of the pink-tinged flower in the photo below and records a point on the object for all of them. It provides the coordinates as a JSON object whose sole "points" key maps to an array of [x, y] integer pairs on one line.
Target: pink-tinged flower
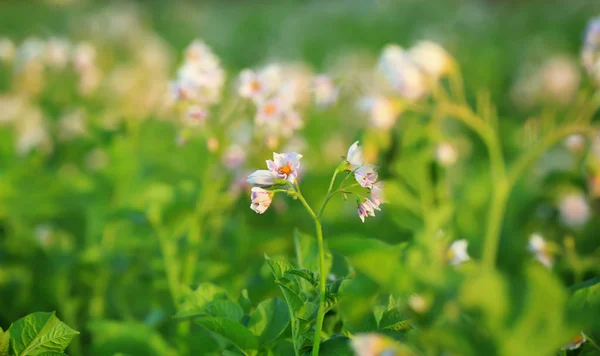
{"points": [[196, 115], [234, 156], [262, 178], [355, 156], [290, 123], [574, 210], [366, 175], [382, 111], [268, 112], [457, 253], [577, 341], [285, 165], [377, 194], [366, 208], [261, 200]]}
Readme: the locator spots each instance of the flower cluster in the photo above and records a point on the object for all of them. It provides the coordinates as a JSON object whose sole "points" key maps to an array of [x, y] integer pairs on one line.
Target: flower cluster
{"points": [[366, 177], [199, 82]]}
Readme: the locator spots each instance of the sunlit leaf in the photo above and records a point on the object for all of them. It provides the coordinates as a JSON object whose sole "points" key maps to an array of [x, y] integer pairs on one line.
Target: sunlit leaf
{"points": [[39, 333]]}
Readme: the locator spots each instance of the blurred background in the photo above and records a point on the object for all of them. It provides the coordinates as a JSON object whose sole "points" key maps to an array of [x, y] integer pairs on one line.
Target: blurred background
{"points": [[105, 183]]}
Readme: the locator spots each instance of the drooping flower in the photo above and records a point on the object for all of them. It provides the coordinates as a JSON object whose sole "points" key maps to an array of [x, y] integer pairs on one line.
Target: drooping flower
{"points": [[576, 343], [457, 253], [285, 165], [377, 193], [366, 208], [261, 200], [366, 175], [574, 210], [539, 247], [355, 156], [262, 178]]}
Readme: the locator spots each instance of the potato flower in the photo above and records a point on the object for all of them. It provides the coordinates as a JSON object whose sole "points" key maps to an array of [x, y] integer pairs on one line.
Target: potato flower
{"points": [[366, 175], [285, 165], [366, 208], [261, 200], [576, 343]]}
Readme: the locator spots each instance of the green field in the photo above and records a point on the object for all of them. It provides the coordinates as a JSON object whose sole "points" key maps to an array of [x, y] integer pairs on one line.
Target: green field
{"points": [[128, 131]]}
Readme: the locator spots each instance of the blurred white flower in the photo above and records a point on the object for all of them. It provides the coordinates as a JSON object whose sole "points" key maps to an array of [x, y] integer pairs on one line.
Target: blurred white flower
{"points": [[57, 52], [431, 57], [324, 91], [576, 343], [269, 112], [457, 253], [371, 344], [445, 154], [258, 86], [32, 132], [574, 210], [72, 125], [560, 79], [84, 56], [290, 123], [402, 73], [261, 200], [575, 143], [539, 247], [31, 50], [234, 156], [417, 303], [381, 111], [7, 50], [195, 115]]}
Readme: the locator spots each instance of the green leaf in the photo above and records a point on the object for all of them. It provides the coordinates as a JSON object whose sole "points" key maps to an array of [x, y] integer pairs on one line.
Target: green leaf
{"points": [[291, 297], [225, 309], [305, 274], [38, 333], [338, 346], [4, 341], [279, 267], [393, 319], [195, 302], [269, 320], [235, 332], [110, 337], [307, 251]]}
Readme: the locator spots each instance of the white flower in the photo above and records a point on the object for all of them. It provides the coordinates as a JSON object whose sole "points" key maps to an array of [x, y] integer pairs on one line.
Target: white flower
{"points": [[402, 73], [457, 253], [560, 79], [366, 175], [539, 247], [324, 90], [574, 210], [285, 165], [32, 49], [258, 86], [290, 123], [72, 125], [268, 112], [417, 303], [262, 178], [261, 200], [355, 156], [577, 341], [84, 56], [381, 111], [377, 193], [446, 154], [366, 208], [431, 57]]}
